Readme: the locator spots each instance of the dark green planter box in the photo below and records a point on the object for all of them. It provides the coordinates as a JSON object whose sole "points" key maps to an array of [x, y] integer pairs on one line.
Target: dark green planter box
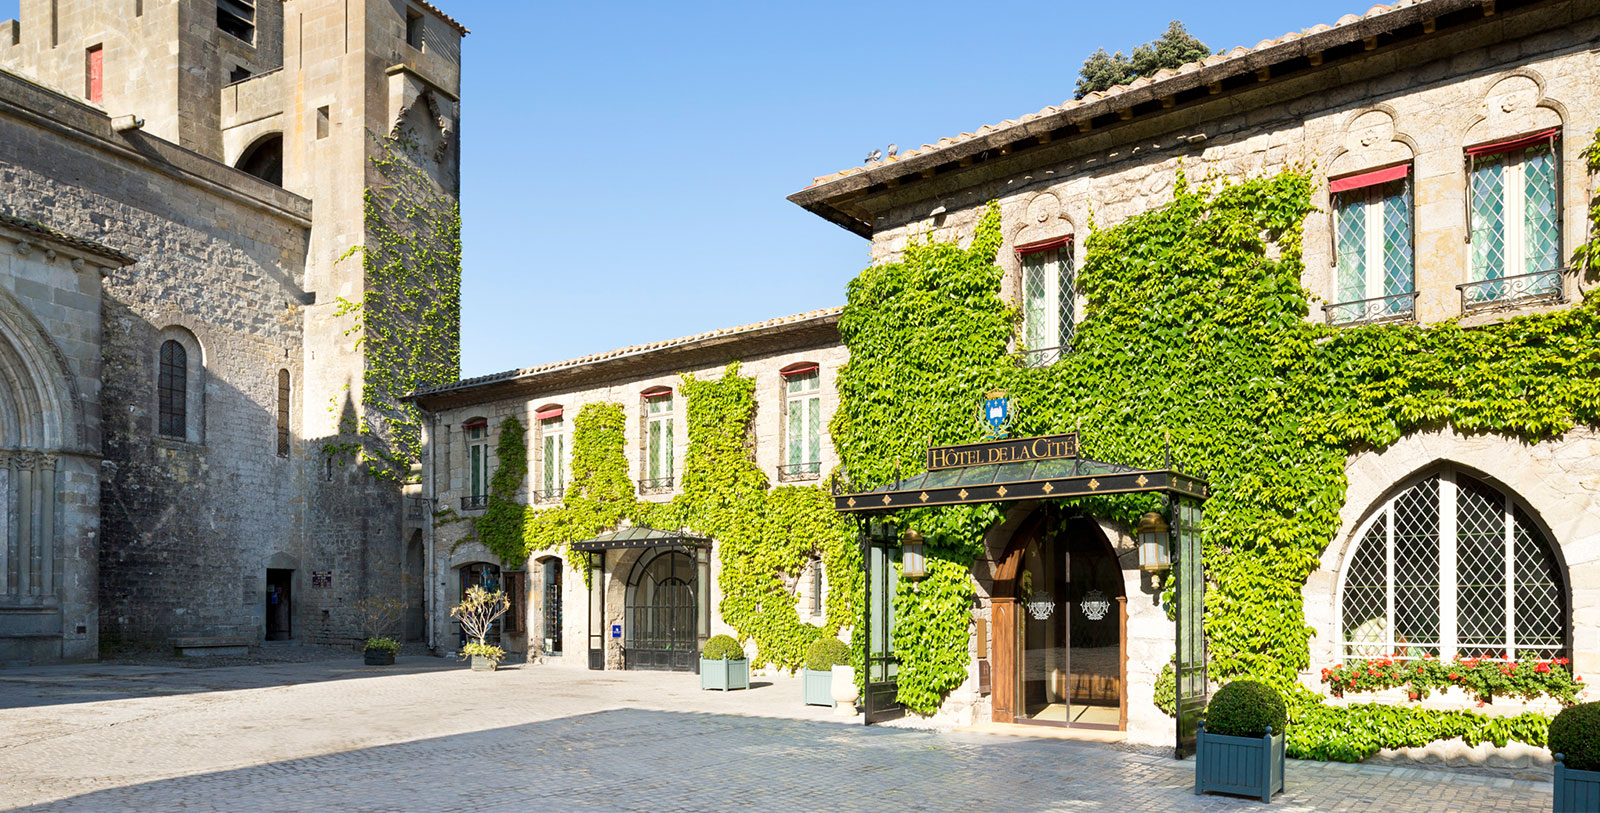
{"points": [[378, 657], [1576, 791], [725, 675], [1244, 766], [818, 687]]}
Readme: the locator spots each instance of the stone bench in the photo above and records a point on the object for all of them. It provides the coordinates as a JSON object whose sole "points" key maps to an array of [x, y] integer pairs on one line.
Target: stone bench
{"points": [[202, 646]]}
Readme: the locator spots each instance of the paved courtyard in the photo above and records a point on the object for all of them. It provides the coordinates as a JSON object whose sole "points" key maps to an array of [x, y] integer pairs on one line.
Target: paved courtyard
{"points": [[429, 734]]}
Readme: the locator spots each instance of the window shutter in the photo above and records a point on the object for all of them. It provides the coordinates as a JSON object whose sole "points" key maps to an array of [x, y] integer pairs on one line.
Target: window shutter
{"points": [[516, 587]]}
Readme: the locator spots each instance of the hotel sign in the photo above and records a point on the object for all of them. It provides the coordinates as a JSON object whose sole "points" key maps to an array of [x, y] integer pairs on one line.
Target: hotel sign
{"points": [[1016, 450]]}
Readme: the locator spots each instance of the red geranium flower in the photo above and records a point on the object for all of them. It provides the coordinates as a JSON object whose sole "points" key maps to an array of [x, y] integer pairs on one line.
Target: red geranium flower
{"points": [[1454, 676], [1412, 695], [1541, 667]]}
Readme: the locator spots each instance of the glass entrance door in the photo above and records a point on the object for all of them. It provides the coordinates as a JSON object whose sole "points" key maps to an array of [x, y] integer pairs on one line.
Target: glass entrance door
{"points": [[661, 630], [1070, 630]]}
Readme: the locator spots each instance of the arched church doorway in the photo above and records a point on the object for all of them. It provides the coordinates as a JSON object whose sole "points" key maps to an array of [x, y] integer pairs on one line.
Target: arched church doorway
{"points": [[1059, 656], [660, 619]]}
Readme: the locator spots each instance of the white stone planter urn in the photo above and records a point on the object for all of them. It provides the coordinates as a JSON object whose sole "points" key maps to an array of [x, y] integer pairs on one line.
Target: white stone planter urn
{"points": [[845, 692]]}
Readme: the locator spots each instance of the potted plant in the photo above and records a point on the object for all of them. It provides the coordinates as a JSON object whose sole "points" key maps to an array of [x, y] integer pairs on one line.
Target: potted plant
{"points": [[380, 651], [1575, 742], [477, 613], [485, 657], [817, 677], [723, 665], [1240, 744]]}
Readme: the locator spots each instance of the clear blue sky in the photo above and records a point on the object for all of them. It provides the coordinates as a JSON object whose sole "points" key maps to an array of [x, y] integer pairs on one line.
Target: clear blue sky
{"points": [[625, 163]]}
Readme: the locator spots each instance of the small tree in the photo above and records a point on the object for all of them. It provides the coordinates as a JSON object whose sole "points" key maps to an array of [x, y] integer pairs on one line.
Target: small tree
{"points": [[478, 611], [1175, 49], [379, 616]]}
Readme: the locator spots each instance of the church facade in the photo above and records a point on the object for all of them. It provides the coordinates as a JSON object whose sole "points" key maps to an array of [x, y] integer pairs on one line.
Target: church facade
{"points": [[196, 450]]}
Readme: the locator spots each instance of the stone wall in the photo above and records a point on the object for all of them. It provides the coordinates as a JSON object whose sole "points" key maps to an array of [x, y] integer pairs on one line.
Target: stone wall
{"points": [[448, 467]]}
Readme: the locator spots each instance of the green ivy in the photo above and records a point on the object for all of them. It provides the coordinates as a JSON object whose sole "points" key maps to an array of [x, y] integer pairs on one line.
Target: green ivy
{"points": [[1196, 331], [500, 526], [764, 536], [1352, 733], [409, 320]]}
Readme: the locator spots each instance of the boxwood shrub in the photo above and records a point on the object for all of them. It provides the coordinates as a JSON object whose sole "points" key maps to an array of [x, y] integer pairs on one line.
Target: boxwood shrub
{"points": [[827, 652], [723, 648], [1246, 708], [1575, 733]]}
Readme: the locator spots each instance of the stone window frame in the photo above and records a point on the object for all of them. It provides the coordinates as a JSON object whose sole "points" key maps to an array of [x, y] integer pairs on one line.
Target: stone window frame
{"points": [[1514, 236], [659, 484], [195, 365], [1061, 320], [285, 411], [791, 470], [476, 498], [1374, 305], [540, 490]]}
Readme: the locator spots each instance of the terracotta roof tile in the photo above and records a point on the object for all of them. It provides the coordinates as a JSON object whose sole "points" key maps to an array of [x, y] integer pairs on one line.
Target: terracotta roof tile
{"points": [[447, 18], [636, 349], [45, 232]]}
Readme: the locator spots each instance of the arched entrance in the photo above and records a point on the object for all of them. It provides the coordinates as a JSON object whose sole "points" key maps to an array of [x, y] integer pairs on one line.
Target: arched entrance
{"points": [[1060, 625], [660, 617]]}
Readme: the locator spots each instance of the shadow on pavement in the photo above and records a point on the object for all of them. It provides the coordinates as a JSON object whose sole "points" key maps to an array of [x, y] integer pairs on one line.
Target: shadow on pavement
{"points": [[35, 686]]}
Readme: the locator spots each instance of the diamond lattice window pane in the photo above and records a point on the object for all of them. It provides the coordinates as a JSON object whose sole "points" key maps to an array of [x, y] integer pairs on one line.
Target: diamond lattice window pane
{"points": [[1397, 253], [1540, 611], [1366, 595], [1035, 302], [1488, 224], [1541, 240], [1416, 569], [1480, 569], [1066, 288], [1350, 229]]}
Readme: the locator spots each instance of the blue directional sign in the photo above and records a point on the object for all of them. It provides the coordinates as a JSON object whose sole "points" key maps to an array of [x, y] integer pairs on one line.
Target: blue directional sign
{"points": [[616, 630]]}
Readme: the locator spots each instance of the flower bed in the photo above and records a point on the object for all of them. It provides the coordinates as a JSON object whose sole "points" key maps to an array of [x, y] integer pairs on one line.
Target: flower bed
{"points": [[1483, 679]]}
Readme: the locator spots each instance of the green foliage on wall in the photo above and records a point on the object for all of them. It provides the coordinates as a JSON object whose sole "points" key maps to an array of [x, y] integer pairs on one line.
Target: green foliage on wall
{"points": [[764, 536], [409, 320], [1197, 328], [500, 526]]}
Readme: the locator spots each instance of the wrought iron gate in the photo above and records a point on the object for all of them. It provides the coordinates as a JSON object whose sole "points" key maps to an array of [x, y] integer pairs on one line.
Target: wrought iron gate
{"points": [[1190, 666], [660, 630], [879, 554]]}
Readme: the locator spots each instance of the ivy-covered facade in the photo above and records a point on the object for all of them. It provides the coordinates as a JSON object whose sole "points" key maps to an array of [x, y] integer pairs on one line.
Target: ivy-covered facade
{"points": [[717, 441], [1345, 273]]}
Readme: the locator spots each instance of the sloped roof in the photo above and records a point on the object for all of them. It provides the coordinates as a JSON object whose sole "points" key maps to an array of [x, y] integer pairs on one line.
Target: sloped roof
{"points": [[447, 18], [1351, 28], [640, 536], [44, 232], [820, 315]]}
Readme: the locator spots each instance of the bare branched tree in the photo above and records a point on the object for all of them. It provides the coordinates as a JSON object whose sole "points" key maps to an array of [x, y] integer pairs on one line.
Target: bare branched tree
{"points": [[379, 616], [478, 611]]}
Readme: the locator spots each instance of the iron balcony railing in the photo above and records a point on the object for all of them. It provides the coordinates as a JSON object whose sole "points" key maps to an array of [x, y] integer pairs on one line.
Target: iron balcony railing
{"points": [[1392, 308], [800, 471], [1043, 357], [655, 485], [549, 494], [472, 501], [1504, 292]]}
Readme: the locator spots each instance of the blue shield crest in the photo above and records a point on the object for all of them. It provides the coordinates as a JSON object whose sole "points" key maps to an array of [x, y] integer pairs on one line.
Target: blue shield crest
{"points": [[996, 415]]}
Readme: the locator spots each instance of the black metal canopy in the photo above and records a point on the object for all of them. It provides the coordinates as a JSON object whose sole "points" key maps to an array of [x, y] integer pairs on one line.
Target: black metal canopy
{"points": [[1021, 480], [640, 536]]}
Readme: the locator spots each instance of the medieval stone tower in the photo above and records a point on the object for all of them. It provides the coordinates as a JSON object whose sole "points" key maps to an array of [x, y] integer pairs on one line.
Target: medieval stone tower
{"points": [[286, 174]]}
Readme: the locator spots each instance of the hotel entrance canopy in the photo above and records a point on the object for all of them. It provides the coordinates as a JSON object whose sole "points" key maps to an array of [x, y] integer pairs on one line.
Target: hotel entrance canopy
{"points": [[1020, 470], [641, 537]]}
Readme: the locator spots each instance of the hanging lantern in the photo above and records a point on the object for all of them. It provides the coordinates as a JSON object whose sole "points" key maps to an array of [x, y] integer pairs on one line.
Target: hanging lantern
{"points": [[1155, 555], [912, 560]]}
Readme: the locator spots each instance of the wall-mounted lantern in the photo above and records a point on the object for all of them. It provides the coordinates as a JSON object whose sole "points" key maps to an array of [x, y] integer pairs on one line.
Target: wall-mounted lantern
{"points": [[912, 559], [1155, 555]]}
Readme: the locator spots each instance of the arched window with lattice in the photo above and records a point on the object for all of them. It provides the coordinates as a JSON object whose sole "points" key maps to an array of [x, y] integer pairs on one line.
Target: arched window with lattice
{"points": [[1452, 565]]}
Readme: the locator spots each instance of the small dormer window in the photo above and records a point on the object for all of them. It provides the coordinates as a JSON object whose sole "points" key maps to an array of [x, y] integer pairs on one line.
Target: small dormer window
{"points": [[237, 17], [414, 28]]}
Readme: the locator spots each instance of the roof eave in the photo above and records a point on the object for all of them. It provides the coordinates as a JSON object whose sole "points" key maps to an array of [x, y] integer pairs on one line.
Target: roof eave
{"points": [[822, 197]]}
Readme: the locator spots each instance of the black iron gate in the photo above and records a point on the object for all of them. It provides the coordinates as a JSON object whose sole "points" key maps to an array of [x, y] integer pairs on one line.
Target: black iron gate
{"points": [[880, 552], [660, 630], [1190, 667]]}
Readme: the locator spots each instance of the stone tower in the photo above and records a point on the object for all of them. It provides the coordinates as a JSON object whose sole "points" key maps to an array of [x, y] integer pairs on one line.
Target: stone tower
{"points": [[352, 108]]}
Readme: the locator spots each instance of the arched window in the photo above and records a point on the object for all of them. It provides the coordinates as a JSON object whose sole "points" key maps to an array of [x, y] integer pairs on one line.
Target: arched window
{"points": [[1453, 566], [283, 413], [172, 391]]}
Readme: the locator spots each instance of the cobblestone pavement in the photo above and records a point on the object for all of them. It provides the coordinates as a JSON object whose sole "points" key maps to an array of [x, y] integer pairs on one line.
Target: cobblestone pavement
{"points": [[429, 734]]}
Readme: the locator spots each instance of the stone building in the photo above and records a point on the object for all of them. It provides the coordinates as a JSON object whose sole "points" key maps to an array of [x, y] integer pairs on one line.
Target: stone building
{"points": [[1446, 142], [192, 174], [794, 362]]}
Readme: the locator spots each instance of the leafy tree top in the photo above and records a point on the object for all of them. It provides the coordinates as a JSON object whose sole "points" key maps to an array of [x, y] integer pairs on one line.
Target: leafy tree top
{"points": [[1177, 47]]}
